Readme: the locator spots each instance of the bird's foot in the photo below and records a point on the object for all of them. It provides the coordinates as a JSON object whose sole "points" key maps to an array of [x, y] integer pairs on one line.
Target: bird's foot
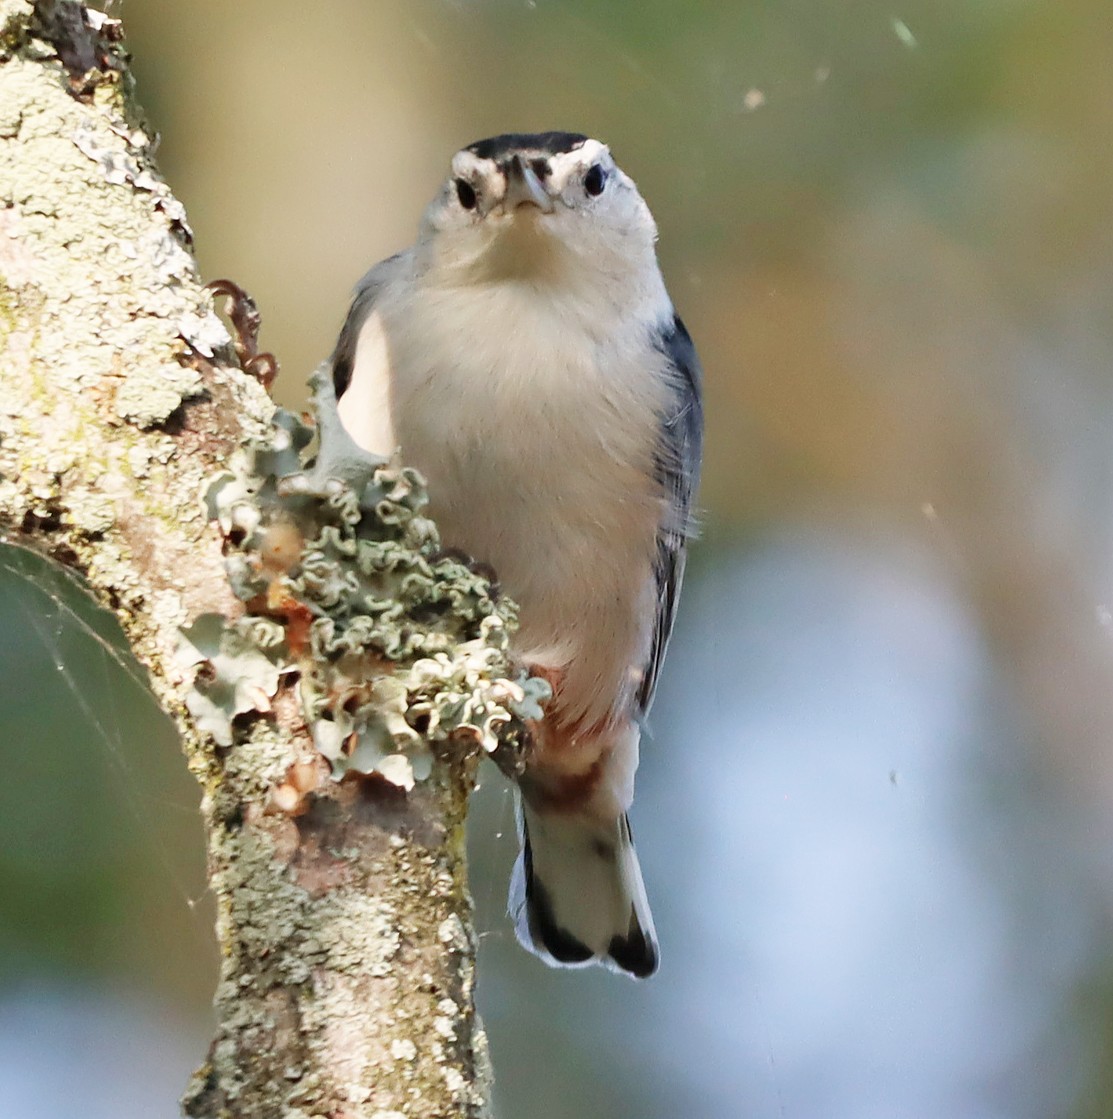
{"points": [[246, 320]]}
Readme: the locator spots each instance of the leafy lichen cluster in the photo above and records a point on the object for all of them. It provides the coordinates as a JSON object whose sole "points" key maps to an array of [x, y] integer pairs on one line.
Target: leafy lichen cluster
{"points": [[394, 644]]}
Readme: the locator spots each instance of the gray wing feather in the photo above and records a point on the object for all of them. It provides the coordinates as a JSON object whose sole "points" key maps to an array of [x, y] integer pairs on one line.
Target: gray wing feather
{"points": [[678, 469], [367, 291]]}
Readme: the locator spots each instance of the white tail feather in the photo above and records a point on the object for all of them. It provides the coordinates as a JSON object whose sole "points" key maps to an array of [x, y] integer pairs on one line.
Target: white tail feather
{"points": [[577, 896]]}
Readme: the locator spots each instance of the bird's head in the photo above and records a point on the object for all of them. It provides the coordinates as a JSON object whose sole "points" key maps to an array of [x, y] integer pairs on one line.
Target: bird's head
{"points": [[545, 207]]}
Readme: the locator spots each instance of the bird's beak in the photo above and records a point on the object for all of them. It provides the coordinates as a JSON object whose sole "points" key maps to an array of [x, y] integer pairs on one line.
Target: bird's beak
{"points": [[524, 188]]}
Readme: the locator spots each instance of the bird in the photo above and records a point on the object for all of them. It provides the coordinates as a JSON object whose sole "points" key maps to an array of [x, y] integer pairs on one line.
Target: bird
{"points": [[524, 355]]}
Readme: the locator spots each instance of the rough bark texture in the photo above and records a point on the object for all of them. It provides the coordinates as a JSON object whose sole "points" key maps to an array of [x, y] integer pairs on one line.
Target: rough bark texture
{"points": [[347, 946]]}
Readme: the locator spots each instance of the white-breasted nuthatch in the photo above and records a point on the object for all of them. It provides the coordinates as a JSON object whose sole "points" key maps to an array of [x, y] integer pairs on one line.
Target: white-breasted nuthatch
{"points": [[526, 358]]}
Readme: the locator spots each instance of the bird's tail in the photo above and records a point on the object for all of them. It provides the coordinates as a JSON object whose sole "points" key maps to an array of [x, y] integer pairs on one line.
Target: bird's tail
{"points": [[576, 894]]}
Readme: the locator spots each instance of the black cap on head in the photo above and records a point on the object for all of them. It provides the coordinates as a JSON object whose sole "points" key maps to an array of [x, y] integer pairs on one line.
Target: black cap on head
{"points": [[501, 147]]}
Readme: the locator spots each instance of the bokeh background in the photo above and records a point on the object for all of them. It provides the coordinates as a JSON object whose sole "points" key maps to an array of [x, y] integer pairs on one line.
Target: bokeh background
{"points": [[876, 812]]}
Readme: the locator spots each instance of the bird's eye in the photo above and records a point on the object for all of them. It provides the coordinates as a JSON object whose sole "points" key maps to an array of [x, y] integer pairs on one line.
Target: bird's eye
{"points": [[595, 179], [466, 193]]}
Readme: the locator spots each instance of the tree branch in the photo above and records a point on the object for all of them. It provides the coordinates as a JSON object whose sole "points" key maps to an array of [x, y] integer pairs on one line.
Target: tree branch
{"points": [[344, 920]]}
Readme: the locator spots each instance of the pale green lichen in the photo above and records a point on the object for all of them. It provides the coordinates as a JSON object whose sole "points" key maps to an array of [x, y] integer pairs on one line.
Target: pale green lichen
{"points": [[395, 645], [150, 396], [241, 676], [96, 154], [14, 18]]}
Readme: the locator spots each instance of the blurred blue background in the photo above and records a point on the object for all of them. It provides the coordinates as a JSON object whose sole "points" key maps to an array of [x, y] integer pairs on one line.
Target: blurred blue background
{"points": [[876, 812]]}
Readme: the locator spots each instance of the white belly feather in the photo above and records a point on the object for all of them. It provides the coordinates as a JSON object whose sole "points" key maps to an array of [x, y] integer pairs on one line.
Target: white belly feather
{"points": [[537, 437]]}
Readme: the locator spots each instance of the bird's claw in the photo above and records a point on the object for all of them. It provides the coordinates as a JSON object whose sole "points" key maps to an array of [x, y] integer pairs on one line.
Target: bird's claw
{"points": [[246, 320]]}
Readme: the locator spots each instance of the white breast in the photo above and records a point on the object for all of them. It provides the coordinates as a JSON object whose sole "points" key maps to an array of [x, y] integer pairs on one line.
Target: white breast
{"points": [[536, 430]]}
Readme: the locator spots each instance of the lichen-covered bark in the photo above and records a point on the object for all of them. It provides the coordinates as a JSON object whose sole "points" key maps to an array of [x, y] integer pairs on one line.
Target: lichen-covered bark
{"points": [[348, 951]]}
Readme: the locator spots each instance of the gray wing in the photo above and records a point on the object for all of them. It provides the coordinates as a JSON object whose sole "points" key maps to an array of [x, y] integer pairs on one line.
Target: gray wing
{"points": [[678, 469], [367, 291]]}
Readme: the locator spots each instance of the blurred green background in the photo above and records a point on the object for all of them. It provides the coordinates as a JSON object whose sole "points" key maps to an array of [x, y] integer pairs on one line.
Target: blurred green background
{"points": [[876, 812]]}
